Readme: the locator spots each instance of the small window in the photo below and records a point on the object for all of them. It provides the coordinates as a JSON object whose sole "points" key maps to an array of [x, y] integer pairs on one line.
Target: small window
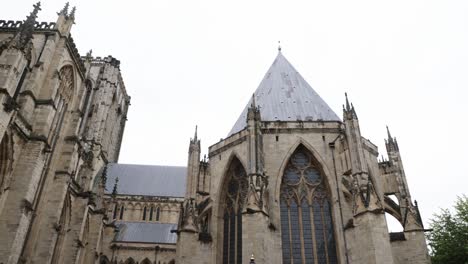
{"points": [[151, 214], [116, 208], [121, 212], [158, 212]]}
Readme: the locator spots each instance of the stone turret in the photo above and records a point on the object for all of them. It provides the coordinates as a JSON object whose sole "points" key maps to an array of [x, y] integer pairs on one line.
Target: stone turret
{"points": [[365, 196], [369, 221], [65, 20]]}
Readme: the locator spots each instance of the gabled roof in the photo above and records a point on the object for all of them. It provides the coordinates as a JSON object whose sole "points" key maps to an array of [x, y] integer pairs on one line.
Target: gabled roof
{"points": [[283, 95], [167, 181], [145, 232]]}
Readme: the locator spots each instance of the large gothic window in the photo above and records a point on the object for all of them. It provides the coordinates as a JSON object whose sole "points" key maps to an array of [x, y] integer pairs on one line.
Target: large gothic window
{"points": [[235, 194], [306, 220]]}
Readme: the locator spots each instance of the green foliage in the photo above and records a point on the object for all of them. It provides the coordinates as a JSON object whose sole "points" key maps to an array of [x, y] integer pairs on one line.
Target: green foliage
{"points": [[449, 239]]}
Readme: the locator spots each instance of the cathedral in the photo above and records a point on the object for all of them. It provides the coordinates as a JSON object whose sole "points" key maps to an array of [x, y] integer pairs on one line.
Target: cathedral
{"points": [[293, 182]]}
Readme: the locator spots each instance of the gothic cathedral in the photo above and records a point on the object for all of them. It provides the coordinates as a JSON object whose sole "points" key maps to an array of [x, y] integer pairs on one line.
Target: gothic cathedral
{"points": [[291, 183]]}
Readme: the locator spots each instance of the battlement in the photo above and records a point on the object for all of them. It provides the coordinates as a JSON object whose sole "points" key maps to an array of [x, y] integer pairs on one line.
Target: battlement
{"points": [[102, 60], [12, 24]]}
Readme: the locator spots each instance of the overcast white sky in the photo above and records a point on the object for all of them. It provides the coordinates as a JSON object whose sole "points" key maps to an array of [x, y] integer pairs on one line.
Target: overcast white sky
{"points": [[403, 63]]}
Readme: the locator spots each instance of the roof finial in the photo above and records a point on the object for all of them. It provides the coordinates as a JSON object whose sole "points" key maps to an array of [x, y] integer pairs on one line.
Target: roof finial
{"points": [[279, 46], [114, 190], [388, 133], [72, 13], [64, 10], [347, 102], [22, 38]]}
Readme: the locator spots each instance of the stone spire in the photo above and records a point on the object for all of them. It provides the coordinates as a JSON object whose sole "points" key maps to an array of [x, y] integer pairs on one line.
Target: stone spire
{"points": [[64, 11], [65, 19], [348, 110], [24, 35], [391, 143], [114, 190]]}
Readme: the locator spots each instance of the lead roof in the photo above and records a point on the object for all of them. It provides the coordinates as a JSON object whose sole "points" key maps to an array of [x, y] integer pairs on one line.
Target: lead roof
{"points": [[284, 95], [145, 232], [150, 180]]}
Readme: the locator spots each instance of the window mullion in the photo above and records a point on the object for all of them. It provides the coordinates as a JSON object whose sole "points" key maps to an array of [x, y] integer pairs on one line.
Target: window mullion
{"points": [[324, 233], [314, 242], [301, 231]]}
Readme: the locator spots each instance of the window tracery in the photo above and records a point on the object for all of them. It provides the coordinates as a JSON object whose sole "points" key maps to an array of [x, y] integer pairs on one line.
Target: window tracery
{"points": [[235, 194], [306, 223]]}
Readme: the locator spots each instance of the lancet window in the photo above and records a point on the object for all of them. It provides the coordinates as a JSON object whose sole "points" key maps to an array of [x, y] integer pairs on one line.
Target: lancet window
{"points": [[235, 194], [151, 214], [306, 221], [158, 212], [144, 213]]}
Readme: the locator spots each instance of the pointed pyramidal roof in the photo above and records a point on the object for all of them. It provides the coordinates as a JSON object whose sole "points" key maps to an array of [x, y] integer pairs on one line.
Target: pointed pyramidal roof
{"points": [[283, 95]]}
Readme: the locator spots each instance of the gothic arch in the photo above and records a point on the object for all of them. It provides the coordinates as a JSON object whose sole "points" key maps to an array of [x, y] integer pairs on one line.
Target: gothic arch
{"points": [[130, 260], [307, 226], [223, 181], [231, 203], [104, 260], [146, 261], [316, 158], [67, 82]]}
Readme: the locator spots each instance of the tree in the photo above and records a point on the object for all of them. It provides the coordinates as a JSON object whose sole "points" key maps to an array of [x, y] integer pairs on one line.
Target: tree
{"points": [[449, 239]]}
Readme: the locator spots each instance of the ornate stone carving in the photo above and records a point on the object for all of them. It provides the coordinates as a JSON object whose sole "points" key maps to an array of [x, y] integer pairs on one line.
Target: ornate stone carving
{"points": [[256, 194], [189, 216], [365, 196]]}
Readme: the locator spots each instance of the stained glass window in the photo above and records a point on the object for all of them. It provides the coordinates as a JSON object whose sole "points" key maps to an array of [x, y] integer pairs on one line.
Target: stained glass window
{"points": [[306, 222], [235, 194]]}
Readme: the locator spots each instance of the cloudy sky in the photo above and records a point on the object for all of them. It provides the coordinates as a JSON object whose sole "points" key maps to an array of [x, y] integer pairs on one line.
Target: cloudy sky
{"points": [[186, 63]]}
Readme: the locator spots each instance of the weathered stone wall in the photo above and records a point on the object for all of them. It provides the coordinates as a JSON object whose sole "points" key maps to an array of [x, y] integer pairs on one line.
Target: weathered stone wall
{"points": [[50, 210]]}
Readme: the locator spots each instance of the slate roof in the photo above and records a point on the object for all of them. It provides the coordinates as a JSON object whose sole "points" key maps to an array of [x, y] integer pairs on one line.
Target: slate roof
{"points": [[167, 181], [284, 95], [145, 232]]}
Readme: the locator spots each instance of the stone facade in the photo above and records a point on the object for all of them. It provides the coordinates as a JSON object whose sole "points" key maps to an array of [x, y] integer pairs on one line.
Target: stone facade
{"points": [[292, 183], [359, 188], [61, 120]]}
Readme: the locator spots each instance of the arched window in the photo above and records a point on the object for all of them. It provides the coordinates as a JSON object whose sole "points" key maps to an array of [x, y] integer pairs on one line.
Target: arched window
{"points": [[146, 261], [116, 208], [121, 212], [306, 222], [144, 213], [61, 101], [235, 194], [130, 261], [158, 212], [151, 214]]}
